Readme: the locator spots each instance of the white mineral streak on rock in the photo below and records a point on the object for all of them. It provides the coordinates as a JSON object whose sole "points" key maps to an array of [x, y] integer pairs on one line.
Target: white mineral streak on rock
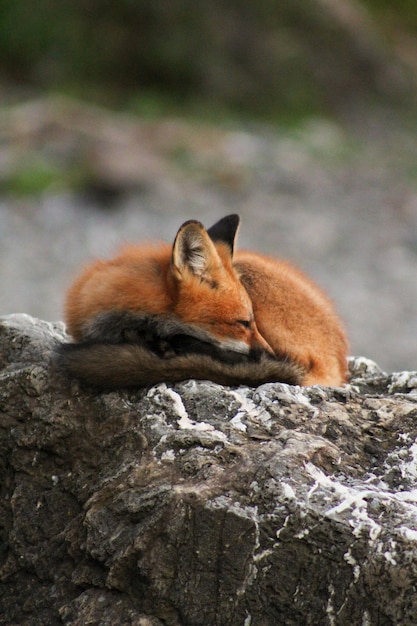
{"points": [[247, 409], [354, 500], [288, 492], [403, 381], [185, 423], [408, 468]]}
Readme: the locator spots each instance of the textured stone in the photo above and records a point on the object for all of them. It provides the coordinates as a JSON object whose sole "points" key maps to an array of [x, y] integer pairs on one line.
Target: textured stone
{"points": [[196, 504]]}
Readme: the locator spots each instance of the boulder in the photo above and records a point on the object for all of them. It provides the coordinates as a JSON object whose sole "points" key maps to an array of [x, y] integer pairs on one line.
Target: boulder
{"points": [[197, 504]]}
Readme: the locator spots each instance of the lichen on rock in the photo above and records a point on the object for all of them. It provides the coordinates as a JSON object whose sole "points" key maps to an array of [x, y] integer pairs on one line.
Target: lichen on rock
{"points": [[195, 504]]}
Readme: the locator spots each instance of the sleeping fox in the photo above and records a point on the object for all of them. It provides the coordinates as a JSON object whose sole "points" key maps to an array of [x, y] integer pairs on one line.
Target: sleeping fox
{"points": [[198, 309]]}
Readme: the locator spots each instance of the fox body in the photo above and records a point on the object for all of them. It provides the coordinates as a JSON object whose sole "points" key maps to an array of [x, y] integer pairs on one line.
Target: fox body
{"points": [[198, 309]]}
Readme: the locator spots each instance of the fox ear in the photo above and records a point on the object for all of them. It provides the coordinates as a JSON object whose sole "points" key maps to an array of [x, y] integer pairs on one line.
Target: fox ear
{"points": [[225, 231], [193, 250]]}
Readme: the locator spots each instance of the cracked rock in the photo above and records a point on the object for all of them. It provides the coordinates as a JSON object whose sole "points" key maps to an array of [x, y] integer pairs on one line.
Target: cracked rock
{"points": [[196, 504]]}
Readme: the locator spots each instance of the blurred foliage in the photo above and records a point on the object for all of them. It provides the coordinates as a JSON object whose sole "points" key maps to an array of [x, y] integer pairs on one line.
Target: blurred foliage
{"points": [[401, 13], [34, 174], [32, 177], [292, 55]]}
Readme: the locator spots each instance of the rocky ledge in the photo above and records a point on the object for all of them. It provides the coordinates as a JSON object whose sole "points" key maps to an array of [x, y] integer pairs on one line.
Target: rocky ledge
{"points": [[196, 504]]}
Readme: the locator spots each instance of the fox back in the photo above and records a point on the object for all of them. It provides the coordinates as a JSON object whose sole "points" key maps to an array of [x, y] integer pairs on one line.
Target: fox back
{"points": [[295, 317]]}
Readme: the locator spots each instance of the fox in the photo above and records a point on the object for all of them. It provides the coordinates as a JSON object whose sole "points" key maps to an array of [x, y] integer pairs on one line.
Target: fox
{"points": [[199, 309]]}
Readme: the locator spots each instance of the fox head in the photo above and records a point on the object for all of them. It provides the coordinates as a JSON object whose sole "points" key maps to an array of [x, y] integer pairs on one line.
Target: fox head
{"points": [[207, 291]]}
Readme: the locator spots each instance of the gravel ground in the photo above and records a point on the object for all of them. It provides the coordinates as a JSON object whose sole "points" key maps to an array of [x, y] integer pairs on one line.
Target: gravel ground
{"points": [[342, 205]]}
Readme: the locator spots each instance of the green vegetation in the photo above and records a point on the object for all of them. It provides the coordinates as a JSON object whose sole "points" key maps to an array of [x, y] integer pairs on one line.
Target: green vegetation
{"points": [[33, 175], [32, 178], [288, 58], [401, 13]]}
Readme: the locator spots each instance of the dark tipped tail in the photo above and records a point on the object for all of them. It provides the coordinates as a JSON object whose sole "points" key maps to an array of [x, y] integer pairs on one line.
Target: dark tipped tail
{"points": [[113, 366]]}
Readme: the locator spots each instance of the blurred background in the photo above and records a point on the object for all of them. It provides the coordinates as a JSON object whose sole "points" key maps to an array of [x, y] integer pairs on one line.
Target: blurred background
{"points": [[119, 121]]}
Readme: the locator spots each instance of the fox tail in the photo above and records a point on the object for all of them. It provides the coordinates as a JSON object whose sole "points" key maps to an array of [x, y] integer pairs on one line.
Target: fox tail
{"points": [[120, 365]]}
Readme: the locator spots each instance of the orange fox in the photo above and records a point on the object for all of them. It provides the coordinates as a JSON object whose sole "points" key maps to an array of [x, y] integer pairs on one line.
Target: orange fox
{"points": [[196, 309]]}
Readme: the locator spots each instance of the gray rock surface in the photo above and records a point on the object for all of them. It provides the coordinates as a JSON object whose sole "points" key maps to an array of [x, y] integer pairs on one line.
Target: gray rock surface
{"points": [[196, 504]]}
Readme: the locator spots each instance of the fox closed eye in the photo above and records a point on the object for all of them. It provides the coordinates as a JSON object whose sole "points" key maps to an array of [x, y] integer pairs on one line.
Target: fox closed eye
{"points": [[243, 323]]}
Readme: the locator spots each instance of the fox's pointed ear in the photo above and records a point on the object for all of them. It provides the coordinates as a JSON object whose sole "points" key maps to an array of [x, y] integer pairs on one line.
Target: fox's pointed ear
{"points": [[225, 231], [194, 251]]}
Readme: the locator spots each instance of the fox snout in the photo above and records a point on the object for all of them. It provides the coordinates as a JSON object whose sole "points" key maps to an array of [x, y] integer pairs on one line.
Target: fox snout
{"points": [[250, 342], [259, 344]]}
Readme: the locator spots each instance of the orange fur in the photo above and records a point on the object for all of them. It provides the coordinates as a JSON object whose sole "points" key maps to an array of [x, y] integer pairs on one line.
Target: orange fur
{"points": [[149, 279], [295, 317], [251, 300], [135, 280]]}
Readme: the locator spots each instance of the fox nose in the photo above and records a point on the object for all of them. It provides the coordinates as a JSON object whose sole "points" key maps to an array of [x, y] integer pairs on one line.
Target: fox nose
{"points": [[258, 342]]}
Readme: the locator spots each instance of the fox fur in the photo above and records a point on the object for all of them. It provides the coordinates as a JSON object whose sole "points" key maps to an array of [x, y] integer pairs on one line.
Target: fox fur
{"points": [[199, 310]]}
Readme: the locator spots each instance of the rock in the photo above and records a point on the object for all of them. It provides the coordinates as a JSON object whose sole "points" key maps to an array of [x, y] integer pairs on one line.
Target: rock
{"points": [[197, 504]]}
